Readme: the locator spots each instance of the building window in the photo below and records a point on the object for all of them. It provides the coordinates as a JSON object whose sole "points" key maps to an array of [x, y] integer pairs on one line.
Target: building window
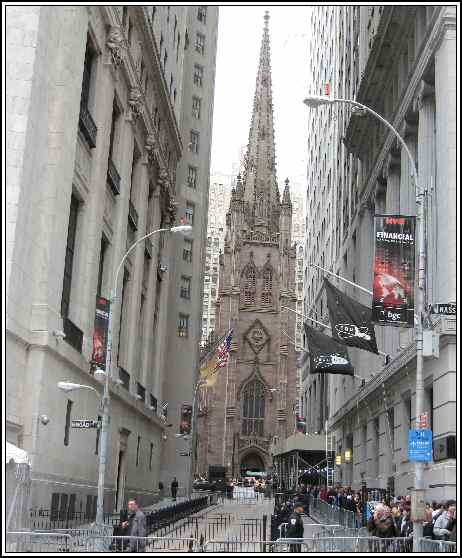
{"points": [[189, 213], [194, 141], [138, 451], [150, 456], [123, 311], [183, 325], [196, 107], [200, 43], [68, 422], [69, 259], [186, 40], [192, 176], [202, 13], [185, 289], [102, 256], [198, 75], [267, 297], [253, 412], [250, 285], [187, 250]]}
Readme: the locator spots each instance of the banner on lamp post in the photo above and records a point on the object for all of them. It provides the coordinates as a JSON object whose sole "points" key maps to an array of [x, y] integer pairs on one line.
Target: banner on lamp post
{"points": [[394, 270], [98, 358], [185, 422], [301, 424]]}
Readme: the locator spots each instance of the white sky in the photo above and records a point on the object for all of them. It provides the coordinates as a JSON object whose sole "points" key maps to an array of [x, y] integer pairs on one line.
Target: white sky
{"points": [[239, 38]]}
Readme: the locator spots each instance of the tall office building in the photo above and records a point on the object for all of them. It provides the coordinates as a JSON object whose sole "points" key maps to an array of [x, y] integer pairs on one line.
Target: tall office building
{"points": [[219, 195], [400, 61], [254, 395], [99, 102]]}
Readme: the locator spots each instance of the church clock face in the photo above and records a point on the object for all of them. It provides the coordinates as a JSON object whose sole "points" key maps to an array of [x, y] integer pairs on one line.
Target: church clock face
{"points": [[257, 336]]}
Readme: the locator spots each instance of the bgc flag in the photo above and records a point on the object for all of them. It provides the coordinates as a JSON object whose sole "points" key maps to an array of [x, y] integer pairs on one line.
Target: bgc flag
{"points": [[351, 321], [394, 270], [327, 356], [301, 424], [98, 357], [185, 419]]}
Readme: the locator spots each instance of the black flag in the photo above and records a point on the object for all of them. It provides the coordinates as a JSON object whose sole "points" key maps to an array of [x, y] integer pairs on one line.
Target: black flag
{"points": [[351, 321], [327, 356]]}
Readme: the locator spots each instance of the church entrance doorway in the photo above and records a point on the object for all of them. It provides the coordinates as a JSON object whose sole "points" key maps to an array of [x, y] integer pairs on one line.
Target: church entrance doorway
{"points": [[252, 462]]}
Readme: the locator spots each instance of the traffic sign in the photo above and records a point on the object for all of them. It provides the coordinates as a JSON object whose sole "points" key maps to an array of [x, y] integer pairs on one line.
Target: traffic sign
{"points": [[85, 423], [420, 445], [445, 308]]}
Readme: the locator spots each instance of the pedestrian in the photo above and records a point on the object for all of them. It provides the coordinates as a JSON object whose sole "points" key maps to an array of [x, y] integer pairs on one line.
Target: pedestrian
{"points": [[174, 488], [440, 528], [136, 525], [381, 523], [295, 527], [452, 527]]}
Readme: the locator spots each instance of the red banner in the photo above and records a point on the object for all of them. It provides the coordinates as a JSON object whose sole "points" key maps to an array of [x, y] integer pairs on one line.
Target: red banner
{"points": [[394, 270], [100, 333], [186, 415]]}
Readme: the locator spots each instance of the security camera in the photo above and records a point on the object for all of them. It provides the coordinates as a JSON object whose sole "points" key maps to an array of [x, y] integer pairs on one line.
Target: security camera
{"points": [[59, 334], [139, 397], [164, 436], [163, 268], [44, 419]]}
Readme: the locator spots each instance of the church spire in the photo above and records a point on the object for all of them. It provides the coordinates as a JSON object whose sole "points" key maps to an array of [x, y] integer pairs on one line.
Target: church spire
{"points": [[260, 189]]}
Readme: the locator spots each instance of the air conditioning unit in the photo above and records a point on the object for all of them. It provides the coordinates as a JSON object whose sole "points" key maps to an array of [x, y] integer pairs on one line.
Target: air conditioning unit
{"points": [[444, 448]]}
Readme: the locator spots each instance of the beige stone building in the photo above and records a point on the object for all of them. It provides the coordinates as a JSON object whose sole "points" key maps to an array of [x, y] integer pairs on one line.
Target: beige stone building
{"points": [[99, 144], [400, 61], [254, 396]]}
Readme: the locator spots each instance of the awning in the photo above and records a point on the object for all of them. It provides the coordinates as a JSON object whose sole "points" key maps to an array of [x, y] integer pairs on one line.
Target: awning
{"points": [[13, 453]]}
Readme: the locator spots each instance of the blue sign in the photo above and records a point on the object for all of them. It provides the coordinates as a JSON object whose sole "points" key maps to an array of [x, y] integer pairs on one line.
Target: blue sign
{"points": [[420, 445]]}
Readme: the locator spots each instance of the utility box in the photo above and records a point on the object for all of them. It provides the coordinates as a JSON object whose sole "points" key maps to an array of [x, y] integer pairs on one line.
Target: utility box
{"points": [[431, 344]]}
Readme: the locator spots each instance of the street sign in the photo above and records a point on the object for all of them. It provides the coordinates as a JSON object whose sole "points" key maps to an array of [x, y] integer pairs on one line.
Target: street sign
{"points": [[422, 422], [445, 308], [420, 445], [85, 423]]}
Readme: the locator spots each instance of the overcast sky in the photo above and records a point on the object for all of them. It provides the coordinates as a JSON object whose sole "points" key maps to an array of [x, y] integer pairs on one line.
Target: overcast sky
{"points": [[239, 39]]}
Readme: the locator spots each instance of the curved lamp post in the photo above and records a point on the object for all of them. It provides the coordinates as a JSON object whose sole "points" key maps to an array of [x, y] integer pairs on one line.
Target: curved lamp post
{"points": [[315, 101]]}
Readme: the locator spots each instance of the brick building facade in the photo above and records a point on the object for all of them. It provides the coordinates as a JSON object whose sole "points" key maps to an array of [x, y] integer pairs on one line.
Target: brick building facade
{"points": [[254, 396]]}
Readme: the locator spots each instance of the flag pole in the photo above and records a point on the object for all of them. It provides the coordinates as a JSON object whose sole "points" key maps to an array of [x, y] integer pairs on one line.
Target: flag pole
{"points": [[321, 324], [341, 278]]}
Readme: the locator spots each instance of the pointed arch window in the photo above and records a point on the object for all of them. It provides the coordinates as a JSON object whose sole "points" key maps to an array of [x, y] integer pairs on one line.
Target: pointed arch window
{"points": [[250, 285], [267, 291], [253, 409]]}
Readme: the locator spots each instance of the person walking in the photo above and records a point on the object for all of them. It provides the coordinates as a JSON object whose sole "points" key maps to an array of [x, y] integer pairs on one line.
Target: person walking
{"points": [[295, 527], [174, 488], [136, 526]]}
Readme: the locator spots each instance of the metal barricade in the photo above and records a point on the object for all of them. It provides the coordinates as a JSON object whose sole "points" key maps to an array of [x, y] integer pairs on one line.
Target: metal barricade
{"points": [[238, 546], [350, 544], [429, 545], [30, 542], [139, 544]]}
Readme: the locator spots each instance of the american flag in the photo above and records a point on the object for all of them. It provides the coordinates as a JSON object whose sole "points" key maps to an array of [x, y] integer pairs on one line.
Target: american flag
{"points": [[223, 350], [164, 408]]}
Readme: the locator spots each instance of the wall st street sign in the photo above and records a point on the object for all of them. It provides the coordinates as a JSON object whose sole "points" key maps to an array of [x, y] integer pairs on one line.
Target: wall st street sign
{"points": [[448, 308], [85, 423]]}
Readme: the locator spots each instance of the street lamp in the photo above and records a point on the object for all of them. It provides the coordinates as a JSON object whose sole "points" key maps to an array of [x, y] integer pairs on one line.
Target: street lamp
{"points": [[315, 101], [105, 399], [69, 386]]}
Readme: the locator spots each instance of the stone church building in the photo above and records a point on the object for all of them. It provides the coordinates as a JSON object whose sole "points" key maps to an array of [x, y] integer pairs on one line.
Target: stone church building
{"points": [[253, 399]]}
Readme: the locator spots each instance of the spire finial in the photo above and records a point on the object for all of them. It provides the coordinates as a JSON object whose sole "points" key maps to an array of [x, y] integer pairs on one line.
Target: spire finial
{"points": [[266, 18]]}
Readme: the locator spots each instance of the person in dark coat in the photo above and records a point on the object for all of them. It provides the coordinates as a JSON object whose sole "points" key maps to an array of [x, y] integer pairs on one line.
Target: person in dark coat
{"points": [[381, 524], [174, 488], [295, 527]]}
